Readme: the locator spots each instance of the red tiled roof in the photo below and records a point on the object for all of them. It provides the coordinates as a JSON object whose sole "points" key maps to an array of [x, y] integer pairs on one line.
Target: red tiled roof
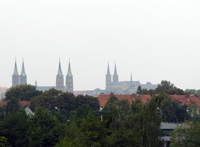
{"points": [[186, 99], [21, 103], [3, 103], [103, 98], [24, 103], [181, 99]]}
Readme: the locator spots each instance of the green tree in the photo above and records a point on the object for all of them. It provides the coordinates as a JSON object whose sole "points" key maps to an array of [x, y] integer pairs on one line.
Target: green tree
{"points": [[94, 131], [139, 90], [90, 100], [3, 141], [22, 92], [187, 135], [14, 128], [166, 87], [72, 137], [44, 129], [48, 100]]}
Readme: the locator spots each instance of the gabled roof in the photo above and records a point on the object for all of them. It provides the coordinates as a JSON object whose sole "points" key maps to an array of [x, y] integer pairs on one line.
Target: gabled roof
{"points": [[21, 103], [186, 99]]}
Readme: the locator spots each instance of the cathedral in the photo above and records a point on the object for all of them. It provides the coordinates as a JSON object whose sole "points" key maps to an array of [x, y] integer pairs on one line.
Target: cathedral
{"points": [[19, 79], [22, 79], [124, 87]]}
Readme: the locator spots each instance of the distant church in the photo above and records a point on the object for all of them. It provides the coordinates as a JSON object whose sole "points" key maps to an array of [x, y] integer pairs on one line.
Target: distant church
{"points": [[19, 79], [22, 79], [124, 87]]}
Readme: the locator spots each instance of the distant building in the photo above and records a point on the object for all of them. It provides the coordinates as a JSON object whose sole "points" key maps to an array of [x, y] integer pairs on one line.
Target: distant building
{"points": [[60, 81], [124, 87], [19, 79], [22, 79]]}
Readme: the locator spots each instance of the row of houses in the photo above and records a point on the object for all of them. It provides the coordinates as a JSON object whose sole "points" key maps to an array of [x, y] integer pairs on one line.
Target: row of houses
{"points": [[181, 99], [103, 99]]}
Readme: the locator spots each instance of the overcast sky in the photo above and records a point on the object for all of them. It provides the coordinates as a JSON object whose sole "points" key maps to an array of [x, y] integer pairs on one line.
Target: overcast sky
{"points": [[154, 39]]}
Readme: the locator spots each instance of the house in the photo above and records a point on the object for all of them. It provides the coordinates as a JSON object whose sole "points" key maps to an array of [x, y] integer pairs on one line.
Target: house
{"points": [[181, 99]]}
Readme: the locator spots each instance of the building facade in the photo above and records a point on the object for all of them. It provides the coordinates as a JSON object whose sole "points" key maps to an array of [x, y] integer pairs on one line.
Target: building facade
{"points": [[123, 87], [22, 79], [68, 87], [19, 79]]}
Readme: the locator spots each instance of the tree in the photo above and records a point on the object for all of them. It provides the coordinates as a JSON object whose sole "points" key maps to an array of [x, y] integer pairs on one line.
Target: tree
{"points": [[139, 90], [187, 135], [72, 137], [171, 110], [14, 127], [166, 87], [44, 129], [94, 132], [90, 100], [3, 141], [22, 92], [46, 100]]}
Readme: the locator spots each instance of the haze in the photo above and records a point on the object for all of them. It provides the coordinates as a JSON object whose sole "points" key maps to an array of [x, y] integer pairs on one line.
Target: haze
{"points": [[155, 40]]}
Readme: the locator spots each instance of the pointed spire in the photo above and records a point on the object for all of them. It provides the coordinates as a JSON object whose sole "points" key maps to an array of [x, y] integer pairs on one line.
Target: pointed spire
{"points": [[15, 69], [115, 72], [108, 70], [23, 73], [59, 69], [69, 73], [131, 77]]}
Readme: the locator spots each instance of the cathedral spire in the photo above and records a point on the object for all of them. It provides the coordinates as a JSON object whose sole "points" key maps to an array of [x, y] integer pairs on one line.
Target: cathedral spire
{"points": [[15, 76], [23, 73], [69, 80], [59, 70], [115, 72], [15, 69], [115, 76], [69, 73], [108, 70]]}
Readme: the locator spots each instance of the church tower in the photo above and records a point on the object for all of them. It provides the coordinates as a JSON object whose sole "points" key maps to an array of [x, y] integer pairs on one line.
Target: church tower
{"points": [[23, 77], [15, 76], [115, 76], [59, 79], [69, 80], [108, 78]]}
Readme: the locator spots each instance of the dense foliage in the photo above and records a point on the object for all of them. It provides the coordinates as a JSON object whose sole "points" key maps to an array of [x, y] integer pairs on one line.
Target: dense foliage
{"points": [[165, 87], [63, 120]]}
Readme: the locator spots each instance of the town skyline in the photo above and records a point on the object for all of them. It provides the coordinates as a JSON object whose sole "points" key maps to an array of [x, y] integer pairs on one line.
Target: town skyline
{"points": [[19, 67], [155, 40]]}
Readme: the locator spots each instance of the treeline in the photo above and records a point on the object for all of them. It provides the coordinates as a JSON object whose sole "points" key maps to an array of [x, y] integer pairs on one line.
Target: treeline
{"points": [[165, 87], [53, 100], [76, 124], [63, 120]]}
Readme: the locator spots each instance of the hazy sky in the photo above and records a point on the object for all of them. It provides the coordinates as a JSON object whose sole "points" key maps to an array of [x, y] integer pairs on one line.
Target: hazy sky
{"points": [[154, 39]]}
